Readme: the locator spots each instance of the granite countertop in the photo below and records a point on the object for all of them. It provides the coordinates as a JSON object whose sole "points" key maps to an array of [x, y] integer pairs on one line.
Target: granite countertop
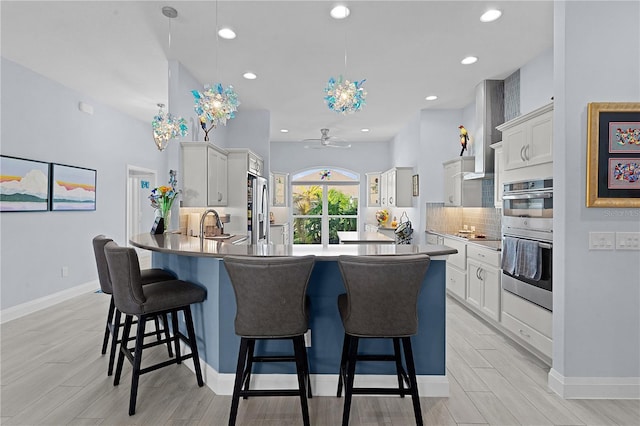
{"points": [[483, 242], [194, 246]]}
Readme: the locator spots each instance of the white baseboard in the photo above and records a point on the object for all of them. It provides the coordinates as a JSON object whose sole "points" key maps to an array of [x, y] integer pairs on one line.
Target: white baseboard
{"points": [[32, 306], [594, 387], [321, 384]]}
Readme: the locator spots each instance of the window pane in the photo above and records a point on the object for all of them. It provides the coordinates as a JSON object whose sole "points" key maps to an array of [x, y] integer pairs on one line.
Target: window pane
{"points": [[307, 230], [343, 199], [307, 200], [341, 224]]}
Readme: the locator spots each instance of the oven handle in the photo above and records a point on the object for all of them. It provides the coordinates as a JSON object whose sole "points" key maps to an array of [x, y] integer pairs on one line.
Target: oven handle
{"points": [[540, 243], [527, 196]]}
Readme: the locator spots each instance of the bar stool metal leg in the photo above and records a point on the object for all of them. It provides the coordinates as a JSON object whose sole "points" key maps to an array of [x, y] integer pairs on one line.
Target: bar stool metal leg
{"points": [[343, 364], [193, 343], [247, 375], [411, 371], [235, 398], [398, 356], [137, 362], [349, 378], [301, 355], [107, 329]]}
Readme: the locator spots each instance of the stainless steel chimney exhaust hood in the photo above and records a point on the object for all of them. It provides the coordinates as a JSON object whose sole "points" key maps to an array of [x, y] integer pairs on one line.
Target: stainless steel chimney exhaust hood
{"points": [[489, 114]]}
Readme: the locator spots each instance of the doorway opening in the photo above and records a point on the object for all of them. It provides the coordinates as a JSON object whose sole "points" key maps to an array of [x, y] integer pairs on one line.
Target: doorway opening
{"points": [[140, 215]]}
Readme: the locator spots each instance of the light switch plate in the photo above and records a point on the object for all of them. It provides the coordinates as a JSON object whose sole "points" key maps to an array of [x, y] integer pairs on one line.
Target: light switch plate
{"points": [[627, 240], [602, 240]]}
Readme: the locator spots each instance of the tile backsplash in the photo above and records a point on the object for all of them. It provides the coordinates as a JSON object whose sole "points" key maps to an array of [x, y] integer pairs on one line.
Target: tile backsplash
{"points": [[448, 220]]}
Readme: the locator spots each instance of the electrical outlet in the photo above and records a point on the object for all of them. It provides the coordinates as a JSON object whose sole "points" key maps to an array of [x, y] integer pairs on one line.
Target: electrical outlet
{"points": [[307, 338], [627, 240], [602, 240], [64, 272]]}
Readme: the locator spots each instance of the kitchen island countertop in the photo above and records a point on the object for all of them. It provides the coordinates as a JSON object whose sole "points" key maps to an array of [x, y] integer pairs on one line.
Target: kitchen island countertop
{"points": [[192, 246]]}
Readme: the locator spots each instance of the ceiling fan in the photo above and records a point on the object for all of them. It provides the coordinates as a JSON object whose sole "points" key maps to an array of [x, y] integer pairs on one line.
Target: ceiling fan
{"points": [[327, 141]]}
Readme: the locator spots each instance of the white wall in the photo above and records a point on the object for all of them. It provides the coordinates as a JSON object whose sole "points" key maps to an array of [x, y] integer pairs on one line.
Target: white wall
{"points": [[536, 82], [41, 121], [596, 325], [292, 157]]}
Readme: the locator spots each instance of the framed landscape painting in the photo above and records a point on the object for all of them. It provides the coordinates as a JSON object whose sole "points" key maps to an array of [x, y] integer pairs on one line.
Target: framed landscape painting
{"points": [[72, 188], [24, 185], [613, 154]]}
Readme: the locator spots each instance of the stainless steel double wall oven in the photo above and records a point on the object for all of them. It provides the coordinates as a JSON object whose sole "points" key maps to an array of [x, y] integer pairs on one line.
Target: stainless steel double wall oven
{"points": [[527, 213]]}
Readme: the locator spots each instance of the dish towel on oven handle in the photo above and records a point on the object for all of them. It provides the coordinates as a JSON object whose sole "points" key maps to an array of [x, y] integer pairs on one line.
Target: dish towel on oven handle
{"points": [[509, 246], [528, 259]]}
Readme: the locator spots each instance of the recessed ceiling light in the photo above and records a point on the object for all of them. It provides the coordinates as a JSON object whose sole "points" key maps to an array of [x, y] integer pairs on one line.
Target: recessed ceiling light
{"points": [[490, 15], [340, 12], [365, 130], [249, 75], [431, 98], [284, 130], [227, 33], [469, 60]]}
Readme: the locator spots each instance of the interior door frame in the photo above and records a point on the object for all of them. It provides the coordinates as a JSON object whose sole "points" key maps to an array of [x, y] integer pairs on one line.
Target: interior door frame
{"points": [[132, 212]]}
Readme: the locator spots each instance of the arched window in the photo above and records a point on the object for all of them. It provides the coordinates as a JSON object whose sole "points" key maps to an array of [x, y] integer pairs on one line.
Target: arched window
{"points": [[324, 201]]}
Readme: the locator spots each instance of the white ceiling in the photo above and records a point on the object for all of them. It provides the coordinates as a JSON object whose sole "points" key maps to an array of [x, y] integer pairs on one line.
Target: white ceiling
{"points": [[117, 51]]}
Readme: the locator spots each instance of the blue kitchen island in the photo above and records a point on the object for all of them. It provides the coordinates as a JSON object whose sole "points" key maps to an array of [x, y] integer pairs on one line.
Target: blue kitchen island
{"points": [[200, 261]]}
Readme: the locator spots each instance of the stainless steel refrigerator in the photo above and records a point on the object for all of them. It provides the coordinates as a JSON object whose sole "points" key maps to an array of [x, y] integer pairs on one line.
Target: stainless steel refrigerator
{"points": [[257, 209]]}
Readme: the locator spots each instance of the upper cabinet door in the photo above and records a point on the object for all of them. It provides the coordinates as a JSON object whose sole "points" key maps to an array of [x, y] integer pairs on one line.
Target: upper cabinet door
{"points": [[279, 189], [373, 189]]}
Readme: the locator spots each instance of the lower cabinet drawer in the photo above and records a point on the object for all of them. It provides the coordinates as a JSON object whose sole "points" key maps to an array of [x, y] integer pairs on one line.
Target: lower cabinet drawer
{"points": [[527, 334], [457, 282], [459, 259], [528, 313]]}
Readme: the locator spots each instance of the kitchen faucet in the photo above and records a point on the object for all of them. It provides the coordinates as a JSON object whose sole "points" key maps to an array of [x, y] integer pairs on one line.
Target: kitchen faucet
{"points": [[204, 215]]}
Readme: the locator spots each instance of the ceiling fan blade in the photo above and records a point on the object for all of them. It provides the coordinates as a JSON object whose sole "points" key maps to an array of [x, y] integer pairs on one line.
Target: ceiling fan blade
{"points": [[338, 145]]}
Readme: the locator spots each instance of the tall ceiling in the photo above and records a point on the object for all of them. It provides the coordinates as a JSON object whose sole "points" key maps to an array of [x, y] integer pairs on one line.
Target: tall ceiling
{"points": [[117, 53]]}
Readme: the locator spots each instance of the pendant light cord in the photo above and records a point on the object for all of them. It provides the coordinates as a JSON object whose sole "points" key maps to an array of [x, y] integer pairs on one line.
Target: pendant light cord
{"points": [[217, 42]]}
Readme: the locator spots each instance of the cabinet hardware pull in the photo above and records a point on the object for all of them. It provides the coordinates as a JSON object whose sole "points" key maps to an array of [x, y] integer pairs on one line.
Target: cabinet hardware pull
{"points": [[522, 153], [390, 200], [526, 152]]}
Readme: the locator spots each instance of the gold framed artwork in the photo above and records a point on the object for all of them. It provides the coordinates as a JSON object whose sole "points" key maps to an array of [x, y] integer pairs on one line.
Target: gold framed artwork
{"points": [[415, 185], [613, 154]]}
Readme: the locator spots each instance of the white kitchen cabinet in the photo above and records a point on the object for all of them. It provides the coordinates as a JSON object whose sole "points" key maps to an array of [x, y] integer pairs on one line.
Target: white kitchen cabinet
{"points": [[253, 163], [280, 234], [396, 187], [528, 322], [373, 189], [498, 174], [456, 270], [483, 280], [279, 187], [528, 139], [457, 191], [204, 175]]}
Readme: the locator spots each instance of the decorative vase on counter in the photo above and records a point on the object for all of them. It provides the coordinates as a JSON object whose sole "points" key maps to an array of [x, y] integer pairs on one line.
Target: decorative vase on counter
{"points": [[162, 199], [382, 216]]}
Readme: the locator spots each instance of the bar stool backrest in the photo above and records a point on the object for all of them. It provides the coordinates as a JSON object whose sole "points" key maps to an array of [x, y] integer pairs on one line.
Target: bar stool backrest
{"points": [[124, 270], [270, 294], [382, 294], [99, 241]]}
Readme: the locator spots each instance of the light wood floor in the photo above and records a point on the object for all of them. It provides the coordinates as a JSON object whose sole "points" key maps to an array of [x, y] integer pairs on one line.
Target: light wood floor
{"points": [[53, 374]]}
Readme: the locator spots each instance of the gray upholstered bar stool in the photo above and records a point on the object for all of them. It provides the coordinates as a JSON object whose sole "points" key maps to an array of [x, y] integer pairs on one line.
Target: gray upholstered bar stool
{"points": [[114, 321], [160, 298], [271, 304], [381, 302]]}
